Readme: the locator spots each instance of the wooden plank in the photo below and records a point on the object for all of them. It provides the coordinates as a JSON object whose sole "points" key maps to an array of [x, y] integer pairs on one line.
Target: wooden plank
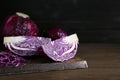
{"points": [[43, 67]]}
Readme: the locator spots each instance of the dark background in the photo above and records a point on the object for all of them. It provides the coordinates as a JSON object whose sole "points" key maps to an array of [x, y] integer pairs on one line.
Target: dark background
{"points": [[92, 20]]}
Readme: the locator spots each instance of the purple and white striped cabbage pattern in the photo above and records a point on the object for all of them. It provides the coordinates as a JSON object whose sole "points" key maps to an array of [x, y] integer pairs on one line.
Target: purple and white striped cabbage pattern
{"points": [[9, 59], [27, 46], [61, 49]]}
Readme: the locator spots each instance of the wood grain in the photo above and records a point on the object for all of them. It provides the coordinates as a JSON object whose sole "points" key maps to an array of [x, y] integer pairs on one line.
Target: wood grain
{"points": [[103, 61]]}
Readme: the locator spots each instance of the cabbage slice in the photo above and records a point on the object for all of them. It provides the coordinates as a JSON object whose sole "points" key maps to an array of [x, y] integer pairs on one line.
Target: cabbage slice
{"points": [[62, 49], [25, 45], [9, 59]]}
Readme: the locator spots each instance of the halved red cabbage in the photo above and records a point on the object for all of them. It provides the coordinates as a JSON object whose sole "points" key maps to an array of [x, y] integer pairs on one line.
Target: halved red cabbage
{"points": [[9, 59], [25, 45], [55, 32], [19, 24], [62, 49]]}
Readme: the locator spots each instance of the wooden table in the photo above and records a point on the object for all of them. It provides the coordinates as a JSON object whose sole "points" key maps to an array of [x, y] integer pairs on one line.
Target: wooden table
{"points": [[103, 61]]}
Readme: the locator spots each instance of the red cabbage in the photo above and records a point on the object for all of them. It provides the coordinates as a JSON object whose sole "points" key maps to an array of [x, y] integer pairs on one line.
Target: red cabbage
{"points": [[25, 45], [56, 32], [62, 49], [9, 59], [19, 24]]}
